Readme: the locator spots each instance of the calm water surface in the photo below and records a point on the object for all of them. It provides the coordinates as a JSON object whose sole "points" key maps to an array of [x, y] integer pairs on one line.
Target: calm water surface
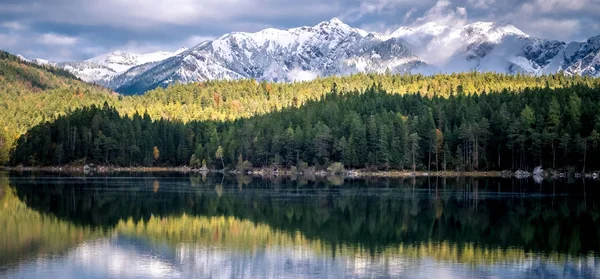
{"points": [[190, 226]]}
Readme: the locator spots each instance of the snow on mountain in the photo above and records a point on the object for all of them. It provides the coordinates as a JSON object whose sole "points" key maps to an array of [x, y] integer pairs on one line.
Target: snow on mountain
{"points": [[440, 45], [428, 30], [104, 68], [335, 48], [38, 61], [487, 46], [328, 48], [120, 61]]}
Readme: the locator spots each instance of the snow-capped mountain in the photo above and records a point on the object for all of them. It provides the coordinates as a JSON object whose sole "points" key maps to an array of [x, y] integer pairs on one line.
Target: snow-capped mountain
{"points": [[104, 68], [487, 46], [329, 48], [334, 48]]}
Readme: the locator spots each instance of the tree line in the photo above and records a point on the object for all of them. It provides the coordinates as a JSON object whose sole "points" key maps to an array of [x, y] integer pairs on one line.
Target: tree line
{"points": [[31, 94], [375, 129]]}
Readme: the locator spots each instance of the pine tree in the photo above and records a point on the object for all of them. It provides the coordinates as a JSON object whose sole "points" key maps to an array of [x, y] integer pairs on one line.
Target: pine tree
{"points": [[551, 135], [414, 140]]}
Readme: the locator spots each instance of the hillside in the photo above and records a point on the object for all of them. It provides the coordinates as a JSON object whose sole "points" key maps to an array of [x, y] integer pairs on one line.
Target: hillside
{"points": [[31, 93], [555, 128], [23, 106]]}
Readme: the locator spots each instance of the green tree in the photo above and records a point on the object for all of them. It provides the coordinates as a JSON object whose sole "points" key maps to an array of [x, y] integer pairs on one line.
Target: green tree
{"points": [[551, 133], [219, 155], [322, 142], [414, 140]]}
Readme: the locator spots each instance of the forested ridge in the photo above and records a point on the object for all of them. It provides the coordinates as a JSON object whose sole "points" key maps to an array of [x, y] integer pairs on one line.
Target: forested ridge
{"points": [[34, 94], [555, 128]]}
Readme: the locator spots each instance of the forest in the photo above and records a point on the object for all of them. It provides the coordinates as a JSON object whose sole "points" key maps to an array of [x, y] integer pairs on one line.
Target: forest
{"points": [[31, 94], [373, 129], [468, 121]]}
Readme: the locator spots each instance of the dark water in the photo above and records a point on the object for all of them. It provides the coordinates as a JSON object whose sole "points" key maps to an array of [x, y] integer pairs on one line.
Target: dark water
{"points": [[188, 226]]}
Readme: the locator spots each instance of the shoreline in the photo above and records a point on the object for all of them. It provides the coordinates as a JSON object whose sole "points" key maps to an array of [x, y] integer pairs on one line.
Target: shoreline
{"points": [[358, 173]]}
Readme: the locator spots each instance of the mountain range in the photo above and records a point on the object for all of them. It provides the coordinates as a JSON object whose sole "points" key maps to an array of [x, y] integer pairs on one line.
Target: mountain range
{"points": [[334, 48]]}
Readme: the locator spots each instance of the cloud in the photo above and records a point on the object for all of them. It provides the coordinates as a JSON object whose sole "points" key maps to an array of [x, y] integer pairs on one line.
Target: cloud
{"points": [[444, 13], [481, 4], [381, 9], [195, 40], [556, 19], [409, 15], [145, 15], [561, 28], [88, 28], [57, 39], [14, 25], [560, 6], [7, 41], [301, 75]]}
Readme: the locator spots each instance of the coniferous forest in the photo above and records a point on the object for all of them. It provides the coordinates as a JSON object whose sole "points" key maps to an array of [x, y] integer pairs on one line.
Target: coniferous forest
{"points": [[554, 128], [470, 121]]}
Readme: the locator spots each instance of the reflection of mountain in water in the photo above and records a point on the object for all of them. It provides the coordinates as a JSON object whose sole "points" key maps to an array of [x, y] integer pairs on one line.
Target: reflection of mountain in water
{"points": [[124, 257], [487, 213], [130, 228], [25, 233]]}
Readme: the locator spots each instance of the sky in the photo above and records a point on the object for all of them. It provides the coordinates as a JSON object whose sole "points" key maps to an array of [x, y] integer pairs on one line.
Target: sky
{"points": [[65, 30]]}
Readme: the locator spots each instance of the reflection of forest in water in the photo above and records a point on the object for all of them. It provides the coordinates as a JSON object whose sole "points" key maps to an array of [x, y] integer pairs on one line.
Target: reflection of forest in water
{"points": [[460, 220]]}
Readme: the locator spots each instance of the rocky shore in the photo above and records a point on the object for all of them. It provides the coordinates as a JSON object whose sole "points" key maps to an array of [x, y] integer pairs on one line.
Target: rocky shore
{"points": [[537, 173]]}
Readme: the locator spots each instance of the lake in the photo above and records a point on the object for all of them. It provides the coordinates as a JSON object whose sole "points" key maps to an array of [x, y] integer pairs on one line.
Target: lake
{"points": [[168, 225]]}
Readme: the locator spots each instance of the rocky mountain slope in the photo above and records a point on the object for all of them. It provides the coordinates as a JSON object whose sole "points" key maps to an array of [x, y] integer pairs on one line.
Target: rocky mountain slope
{"points": [[334, 48]]}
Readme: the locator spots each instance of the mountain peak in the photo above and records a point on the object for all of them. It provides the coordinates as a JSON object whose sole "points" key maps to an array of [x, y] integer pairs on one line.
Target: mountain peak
{"points": [[332, 47], [334, 23], [427, 29], [181, 49], [492, 29]]}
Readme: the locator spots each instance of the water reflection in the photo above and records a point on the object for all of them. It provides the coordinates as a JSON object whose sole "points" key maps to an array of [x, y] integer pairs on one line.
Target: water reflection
{"points": [[193, 226]]}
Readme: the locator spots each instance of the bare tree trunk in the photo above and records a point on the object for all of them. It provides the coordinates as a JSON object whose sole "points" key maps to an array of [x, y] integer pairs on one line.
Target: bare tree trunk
{"points": [[499, 162], [553, 156], [437, 161], [414, 167], [429, 163], [444, 167], [512, 159], [584, 154], [541, 155], [476, 155], [74, 139]]}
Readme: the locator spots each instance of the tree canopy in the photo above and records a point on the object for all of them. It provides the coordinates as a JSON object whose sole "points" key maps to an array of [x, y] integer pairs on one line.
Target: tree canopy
{"points": [[361, 129]]}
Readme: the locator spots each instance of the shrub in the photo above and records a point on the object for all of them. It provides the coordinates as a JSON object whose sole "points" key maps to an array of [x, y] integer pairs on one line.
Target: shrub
{"points": [[336, 168]]}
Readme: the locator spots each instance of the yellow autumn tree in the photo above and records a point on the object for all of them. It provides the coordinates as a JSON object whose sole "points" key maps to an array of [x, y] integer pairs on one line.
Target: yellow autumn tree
{"points": [[156, 153], [219, 155]]}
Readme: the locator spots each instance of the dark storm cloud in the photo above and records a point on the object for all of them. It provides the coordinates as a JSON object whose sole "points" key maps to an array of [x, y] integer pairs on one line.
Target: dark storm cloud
{"points": [[78, 29]]}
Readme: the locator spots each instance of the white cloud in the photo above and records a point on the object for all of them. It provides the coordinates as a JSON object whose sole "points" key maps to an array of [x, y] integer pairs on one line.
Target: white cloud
{"points": [[57, 39], [105, 25], [301, 75], [482, 4], [195, 40], [560, 6], [379, 27], [409, 15], [144, 15], [7, 41], [556, 19], [443, 13], [354, 12], [562, 29], [14, 25]]}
